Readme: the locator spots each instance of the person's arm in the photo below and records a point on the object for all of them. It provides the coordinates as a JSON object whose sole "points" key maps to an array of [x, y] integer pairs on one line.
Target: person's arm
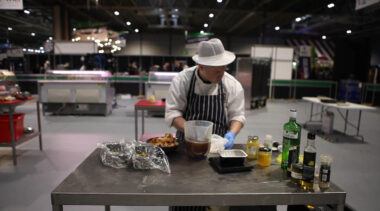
{"points": [[235, 126], [179, 123]]}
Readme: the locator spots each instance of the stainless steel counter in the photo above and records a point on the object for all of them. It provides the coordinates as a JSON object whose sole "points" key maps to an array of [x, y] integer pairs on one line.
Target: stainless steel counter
{"points": [[190, 183]]}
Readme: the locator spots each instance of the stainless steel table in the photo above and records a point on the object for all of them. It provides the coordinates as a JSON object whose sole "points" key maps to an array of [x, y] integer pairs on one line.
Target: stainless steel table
{"points": [[191, 183], [11, 106]]}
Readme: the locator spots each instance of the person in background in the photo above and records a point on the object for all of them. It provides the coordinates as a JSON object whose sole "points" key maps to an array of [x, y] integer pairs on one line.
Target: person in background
{"points": [[207, 92], [133, 69]]}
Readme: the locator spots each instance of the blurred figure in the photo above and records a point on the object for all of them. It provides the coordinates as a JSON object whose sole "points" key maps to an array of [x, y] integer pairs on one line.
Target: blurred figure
{"points": [[132, 68]]}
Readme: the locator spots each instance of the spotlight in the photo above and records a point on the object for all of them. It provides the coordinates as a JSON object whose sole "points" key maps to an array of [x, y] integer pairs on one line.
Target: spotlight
{"points": [[331, 5], [324, 37], [116, 13], [211, 15], [277, 28], [205, 25], [349, 31], [128, 23]]}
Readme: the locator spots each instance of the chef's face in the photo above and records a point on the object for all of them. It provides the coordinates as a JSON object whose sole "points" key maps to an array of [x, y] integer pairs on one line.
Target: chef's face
{"points": [[213, 74]]}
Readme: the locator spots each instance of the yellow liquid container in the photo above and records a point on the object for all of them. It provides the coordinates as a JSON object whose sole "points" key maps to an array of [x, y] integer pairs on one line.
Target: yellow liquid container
{"points": [[265, 156], [252, 148]]}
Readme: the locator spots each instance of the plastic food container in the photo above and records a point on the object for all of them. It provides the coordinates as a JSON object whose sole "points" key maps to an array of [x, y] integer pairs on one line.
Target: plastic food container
{"points": [[232, 157], [5, 130]]}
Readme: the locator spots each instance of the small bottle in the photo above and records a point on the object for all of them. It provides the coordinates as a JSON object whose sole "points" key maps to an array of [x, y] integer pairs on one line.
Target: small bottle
{"points": [[325, 171], [296, 174], [309, 156], [252, 147], [265, 153], [291, 141]]}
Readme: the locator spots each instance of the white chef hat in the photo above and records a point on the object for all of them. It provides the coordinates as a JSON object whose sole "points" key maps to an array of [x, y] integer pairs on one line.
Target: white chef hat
{"points": [[212, 53]]}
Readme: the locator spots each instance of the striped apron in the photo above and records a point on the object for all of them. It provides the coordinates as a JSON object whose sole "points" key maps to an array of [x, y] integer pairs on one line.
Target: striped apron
{"points": [[205, 107]]}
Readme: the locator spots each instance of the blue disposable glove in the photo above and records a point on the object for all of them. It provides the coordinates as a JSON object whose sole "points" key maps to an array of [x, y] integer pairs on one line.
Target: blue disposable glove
{"points": [[230, 136]]}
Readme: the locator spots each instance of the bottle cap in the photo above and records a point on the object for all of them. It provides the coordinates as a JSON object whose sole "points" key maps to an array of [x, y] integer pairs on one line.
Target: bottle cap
{"points": [[293, 113], [311, 136]]}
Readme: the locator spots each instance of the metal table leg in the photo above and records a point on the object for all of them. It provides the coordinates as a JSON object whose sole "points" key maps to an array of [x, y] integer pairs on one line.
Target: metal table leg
{"points": [[311, 111], [57, 208], [345, 122], [322, 112], [358, 126], [142, 122], [39, 124], [13, 138], [340, 207], [107, 208], [136, 122]]}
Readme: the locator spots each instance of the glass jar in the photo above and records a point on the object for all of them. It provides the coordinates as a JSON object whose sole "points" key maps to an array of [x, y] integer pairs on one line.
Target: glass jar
{"points": [[252, 147], [325, 171], [265, 156]]}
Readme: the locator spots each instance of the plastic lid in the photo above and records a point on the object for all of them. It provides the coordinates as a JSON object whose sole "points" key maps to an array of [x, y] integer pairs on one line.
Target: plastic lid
{"points": [[326, 159], [293, 113], [268, 138], [265, 149], [311, 136]]}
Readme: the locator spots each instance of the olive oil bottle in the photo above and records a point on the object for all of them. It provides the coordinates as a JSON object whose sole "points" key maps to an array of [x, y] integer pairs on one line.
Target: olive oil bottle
{"points": [[291, 141], [309, 156]]}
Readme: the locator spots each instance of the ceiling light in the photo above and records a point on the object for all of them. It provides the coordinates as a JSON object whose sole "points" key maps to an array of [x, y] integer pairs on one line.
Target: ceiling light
{"points": [[219, 1], [331, 5], [74, 29], [88, 38], [128, 23], [24, 49], [323, 37], [41, 48], [27, 12], [349, 31], [97, 41], [205, 25], [117, 42], [137, 30], [175, 10], [202, 32], [211, 15], [92, 38], [277, 28], [50, 38], [10, 29], [101, 51], [42, 51], [33, 34], [298, 19], [116, 13], [73, 40]]}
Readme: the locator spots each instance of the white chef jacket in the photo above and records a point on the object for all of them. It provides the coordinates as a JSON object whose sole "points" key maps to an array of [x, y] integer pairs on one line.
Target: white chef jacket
{"points": [[176, 100]]}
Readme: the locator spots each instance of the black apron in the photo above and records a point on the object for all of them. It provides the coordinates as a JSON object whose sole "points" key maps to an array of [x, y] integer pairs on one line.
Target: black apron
{"points": [[205, 107]]}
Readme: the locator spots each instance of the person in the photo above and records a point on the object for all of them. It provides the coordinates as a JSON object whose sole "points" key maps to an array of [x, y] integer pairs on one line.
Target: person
{"points": [[207, 92]]}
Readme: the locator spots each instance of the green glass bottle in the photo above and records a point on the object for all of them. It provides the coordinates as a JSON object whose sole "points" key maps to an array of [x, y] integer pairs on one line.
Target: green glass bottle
{"points": [[291, 141]]}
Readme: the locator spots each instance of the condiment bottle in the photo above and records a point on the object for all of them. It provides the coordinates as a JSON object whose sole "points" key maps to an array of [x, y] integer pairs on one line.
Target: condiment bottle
{"points": [[291, 141], [309, 156], [265, 153], [296, 174], [252, 147], [325, 171]]}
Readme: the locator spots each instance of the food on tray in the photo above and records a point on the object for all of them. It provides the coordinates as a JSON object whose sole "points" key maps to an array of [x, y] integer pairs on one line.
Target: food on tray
{"points": [[167, 141]]}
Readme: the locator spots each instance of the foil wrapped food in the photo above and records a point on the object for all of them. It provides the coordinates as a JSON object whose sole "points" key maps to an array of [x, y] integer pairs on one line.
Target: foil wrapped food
{"points": [[129, 153]]}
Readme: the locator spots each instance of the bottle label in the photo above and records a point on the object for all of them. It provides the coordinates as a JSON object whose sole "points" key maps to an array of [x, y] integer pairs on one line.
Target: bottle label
{"points": [[309, 158], [296, 175], [308, 173], [252, 151], [290, 134], [292, 158], [325, 173]]}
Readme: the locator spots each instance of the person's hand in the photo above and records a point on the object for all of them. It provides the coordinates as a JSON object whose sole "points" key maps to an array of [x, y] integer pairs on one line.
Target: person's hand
{"points": [[230, 136]]}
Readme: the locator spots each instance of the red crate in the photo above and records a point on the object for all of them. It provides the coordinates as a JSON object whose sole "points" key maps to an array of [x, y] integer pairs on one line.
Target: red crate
{"points": [[5, 130]]}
